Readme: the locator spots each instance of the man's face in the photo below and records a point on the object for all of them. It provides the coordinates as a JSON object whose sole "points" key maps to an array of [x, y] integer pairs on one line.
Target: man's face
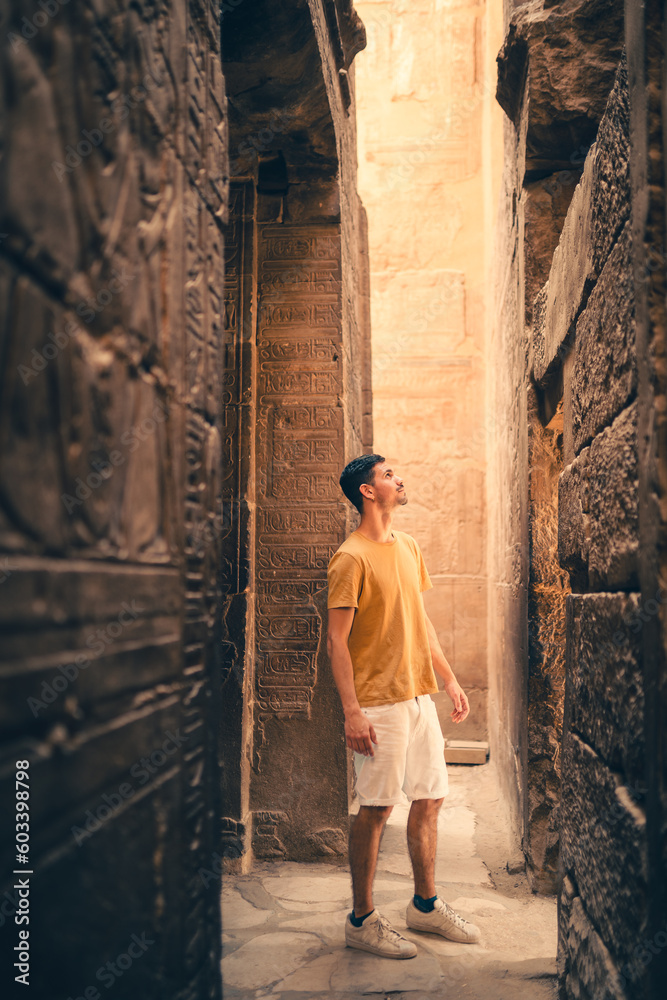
{"points": [[387, 487]]}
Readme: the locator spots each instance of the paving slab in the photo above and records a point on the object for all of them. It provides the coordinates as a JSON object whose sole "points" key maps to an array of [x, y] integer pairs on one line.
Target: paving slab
{"points": [[238, 913], [284, 923], [267, 959]]}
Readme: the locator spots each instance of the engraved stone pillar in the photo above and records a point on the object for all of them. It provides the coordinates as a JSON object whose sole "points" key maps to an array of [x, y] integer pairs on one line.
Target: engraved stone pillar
{"points": [[238, 518], [298, 788]]}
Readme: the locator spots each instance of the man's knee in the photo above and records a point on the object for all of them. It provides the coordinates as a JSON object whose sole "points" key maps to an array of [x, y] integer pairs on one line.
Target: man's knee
{"points": [[375, 814], [427, 805]]}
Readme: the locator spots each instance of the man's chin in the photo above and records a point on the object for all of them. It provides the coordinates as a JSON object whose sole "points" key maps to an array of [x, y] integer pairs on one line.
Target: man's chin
{"points": [[402, 499]]}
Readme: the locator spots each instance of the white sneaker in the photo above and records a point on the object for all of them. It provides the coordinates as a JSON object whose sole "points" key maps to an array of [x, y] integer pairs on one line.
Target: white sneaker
{"points": [[442, 920], [378, 936]]}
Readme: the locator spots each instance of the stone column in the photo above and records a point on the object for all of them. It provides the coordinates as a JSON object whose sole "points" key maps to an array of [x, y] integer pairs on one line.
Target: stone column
{"points": [[299, 789], [238, 564]]}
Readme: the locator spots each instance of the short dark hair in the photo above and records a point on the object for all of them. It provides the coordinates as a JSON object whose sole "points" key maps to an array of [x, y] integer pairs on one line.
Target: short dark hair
{"points": [[356, 472]]}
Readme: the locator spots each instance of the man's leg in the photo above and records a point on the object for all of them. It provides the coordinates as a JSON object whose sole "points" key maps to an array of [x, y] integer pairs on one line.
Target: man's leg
{"points": [[422, 843], [373, 933], [365, 835]]}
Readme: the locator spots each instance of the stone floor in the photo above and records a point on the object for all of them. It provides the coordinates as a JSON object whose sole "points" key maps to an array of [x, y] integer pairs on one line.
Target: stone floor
{"points": [[283, 924]]}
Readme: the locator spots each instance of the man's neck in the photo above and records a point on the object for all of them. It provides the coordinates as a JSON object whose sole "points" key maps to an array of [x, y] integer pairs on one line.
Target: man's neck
{"points": [[376, 525]]}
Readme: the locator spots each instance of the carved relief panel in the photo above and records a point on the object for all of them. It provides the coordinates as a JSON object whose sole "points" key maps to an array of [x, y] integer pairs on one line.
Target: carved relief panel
{"points": [[299, 455]]}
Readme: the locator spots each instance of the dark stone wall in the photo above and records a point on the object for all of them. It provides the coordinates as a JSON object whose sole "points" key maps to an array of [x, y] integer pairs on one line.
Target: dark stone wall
{"points": [[645, 40], [555, 70], [112, 193], [603, 903], [580, 290], [596, 322]]}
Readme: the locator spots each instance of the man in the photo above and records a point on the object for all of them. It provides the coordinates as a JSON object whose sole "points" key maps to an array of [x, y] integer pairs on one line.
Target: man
{"points": [[383, 650]]}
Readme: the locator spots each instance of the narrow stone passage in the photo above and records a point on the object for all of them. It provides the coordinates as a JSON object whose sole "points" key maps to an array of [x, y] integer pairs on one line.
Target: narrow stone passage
{"points": [[283, 924]]}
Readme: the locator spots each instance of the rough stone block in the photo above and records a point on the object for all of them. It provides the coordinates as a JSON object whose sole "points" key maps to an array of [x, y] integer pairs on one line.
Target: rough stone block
{"points": [[570, 70], [466, 752], [614, 538], [545, 205], [590, 968], [573, 517], [603, 847], [538, 344], [604, 670], [568, 892], [604, 375], [571, 277], [329, 842], [598, 211], [611, 194]]}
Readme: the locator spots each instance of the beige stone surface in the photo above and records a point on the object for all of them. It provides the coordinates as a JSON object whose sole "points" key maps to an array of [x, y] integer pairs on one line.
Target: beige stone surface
{"points": [[237, 912], [422, 111], [298, 953], [281, 953]]}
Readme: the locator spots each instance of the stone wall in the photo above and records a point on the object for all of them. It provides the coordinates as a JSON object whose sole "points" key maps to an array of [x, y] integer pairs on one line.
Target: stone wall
{"points": [[547, 587], [602, 814], [551, 56], [588, 351], [113, 191], [297, 409], [645, 40], [422, 102]]}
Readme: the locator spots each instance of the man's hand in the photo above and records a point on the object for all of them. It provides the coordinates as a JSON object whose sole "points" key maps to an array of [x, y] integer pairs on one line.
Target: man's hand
{"points": [[359, 734], [459, 700]]}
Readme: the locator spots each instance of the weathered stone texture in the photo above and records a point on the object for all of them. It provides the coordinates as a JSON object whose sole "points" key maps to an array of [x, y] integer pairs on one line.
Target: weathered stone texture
{"points": [[646, 31], [574, 520], [598, 529], [598, 211], [590, 969], [596, 367], [545, 202], [604, 375], [611, 190], [612, 475], [300, 452], [238, 530], [112, 194], [571, 277], [603, 847], [567, 66], [607, 703], [547, 588], [507, 395], [173, 418]]}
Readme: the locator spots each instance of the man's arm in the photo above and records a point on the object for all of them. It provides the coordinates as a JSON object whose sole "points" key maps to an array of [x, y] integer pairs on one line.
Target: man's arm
{"points": [[359, 734], [442, 667]]}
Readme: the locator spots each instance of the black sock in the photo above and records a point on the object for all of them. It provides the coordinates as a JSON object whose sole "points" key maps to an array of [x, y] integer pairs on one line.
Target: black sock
{"points": [[358, 921], [425, 905]]}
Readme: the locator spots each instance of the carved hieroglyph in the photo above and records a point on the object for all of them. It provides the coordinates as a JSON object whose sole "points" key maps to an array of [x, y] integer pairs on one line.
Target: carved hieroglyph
{"points": [[111, 275], [299, 455]]}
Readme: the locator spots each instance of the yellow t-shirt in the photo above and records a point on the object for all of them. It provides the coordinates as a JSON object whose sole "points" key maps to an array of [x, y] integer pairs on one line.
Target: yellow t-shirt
{"points": [[388, 641]]}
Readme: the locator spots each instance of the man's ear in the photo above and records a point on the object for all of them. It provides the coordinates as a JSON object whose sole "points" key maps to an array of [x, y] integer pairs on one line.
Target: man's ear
{"points": [[366, 487]]}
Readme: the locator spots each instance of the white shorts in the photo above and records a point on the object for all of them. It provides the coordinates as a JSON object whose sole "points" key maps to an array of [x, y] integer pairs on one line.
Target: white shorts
{"points": [[409, 756]]}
